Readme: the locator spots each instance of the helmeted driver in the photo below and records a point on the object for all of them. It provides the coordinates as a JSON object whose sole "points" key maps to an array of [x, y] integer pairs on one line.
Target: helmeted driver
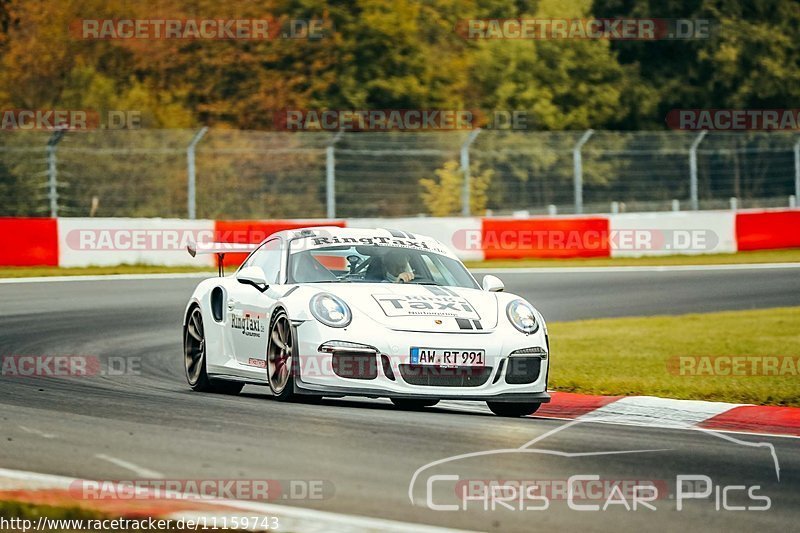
{"points": [[396, 266]]}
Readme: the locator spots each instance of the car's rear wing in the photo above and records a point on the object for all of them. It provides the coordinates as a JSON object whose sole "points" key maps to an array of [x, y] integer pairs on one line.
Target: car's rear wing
{"points": [[220, 249]]}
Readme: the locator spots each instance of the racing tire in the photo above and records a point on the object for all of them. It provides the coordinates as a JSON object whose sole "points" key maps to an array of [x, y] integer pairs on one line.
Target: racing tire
{"points": [[513, 410], [194, 358], [410, 404], [281, 356]]}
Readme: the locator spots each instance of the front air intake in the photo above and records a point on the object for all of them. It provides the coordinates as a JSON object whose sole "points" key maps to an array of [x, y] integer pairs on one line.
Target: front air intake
{"points": [[352, 360], [523, 370], [355, 365], [439, 376]]}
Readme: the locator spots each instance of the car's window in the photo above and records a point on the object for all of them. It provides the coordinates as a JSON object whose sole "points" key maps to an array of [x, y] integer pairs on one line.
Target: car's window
{"points": [[438, 271], [375, 264], [268, 257]]}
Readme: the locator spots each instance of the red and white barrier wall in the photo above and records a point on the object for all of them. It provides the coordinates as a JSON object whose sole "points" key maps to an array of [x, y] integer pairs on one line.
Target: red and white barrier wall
{"points": [[130, 241], [700, 232], [72, 242], [28, 242]]}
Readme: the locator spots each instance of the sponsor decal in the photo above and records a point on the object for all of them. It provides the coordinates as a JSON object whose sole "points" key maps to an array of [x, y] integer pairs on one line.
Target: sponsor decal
{"points": [[396, 241], [449, 306], [248, 325], [258, 363], [327, 241]]}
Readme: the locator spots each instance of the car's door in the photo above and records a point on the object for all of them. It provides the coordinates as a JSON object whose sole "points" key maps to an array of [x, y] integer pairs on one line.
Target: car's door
{"points": [[247, 307]]}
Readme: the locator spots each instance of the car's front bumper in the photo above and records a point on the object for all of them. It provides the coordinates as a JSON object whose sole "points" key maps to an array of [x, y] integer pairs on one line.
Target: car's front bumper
{"points": [[316, 373]]}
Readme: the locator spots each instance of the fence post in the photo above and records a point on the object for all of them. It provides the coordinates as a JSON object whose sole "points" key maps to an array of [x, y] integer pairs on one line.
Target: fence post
{"points": [[693, 200], [191, 185], [465, 188], [330, 177], [52, 170], [577, 170], [797, 169]]}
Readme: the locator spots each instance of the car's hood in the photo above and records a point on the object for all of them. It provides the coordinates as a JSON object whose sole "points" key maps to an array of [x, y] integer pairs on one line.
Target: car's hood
{"points": [[411, 307]]}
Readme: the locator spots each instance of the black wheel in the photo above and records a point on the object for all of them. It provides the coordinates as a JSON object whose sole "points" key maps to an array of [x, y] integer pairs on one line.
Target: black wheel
{"points": [[194, 358], [280, 357], [411, 404], [513, 410]]}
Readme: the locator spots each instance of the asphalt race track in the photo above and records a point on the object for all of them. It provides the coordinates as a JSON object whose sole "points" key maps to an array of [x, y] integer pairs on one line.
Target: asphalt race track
{"points": [[366, 451]]}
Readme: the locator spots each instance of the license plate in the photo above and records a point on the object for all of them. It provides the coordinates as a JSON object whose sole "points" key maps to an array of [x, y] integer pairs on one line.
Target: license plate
{"points": [[449, 357]]}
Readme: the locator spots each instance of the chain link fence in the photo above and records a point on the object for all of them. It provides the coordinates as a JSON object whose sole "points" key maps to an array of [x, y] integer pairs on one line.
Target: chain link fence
{"points": [[252, 174]]}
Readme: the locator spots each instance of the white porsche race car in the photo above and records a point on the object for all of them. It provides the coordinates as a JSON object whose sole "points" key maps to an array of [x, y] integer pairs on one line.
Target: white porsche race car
{"points": [[364, 312]]}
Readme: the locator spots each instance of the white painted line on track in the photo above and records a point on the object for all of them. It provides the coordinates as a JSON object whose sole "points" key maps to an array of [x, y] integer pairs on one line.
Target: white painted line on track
{"points": [[18, 479], [290, 518], [626, 269], [136, 469], [110, 277], [619, 420], [663, 412], [37, 432]]}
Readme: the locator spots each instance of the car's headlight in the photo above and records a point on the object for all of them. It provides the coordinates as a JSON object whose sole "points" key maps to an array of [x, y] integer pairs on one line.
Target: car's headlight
{"points": [[522, 316], [330, 310]]}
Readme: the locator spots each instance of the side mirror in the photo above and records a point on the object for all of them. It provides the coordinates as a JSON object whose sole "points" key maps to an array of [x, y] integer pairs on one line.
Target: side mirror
{"points": [[492, 284], [254, 276]]}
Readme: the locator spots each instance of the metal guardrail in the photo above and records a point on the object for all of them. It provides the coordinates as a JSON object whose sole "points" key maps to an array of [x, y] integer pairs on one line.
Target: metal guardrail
{"points": [[214, 173]]}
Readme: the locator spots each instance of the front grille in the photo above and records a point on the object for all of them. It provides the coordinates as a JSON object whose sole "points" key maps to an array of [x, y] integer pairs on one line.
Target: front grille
{"points": [[521, 370], [438, 376], [355, 365]]}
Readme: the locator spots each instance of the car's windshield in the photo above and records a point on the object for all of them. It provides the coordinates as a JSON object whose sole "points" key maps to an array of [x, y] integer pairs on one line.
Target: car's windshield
{"points": [[376, 264]]}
